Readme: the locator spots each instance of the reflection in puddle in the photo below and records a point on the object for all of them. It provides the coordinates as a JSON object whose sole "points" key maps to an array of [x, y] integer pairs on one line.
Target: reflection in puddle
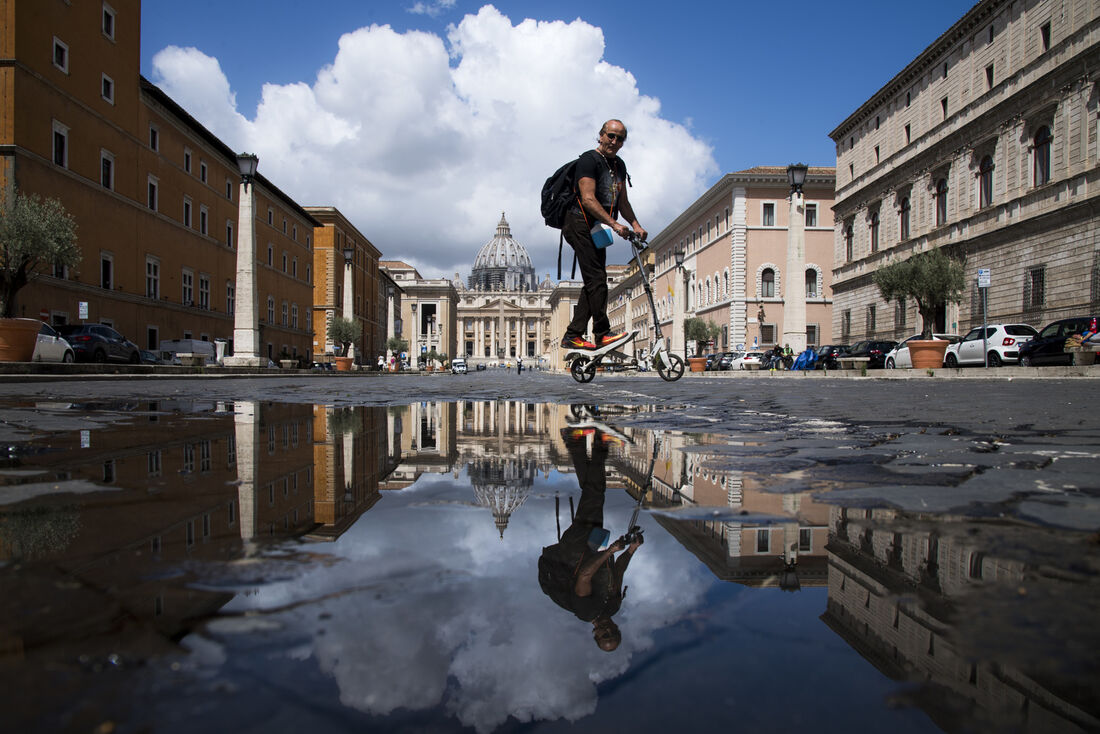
{"points": [[450, 564]]}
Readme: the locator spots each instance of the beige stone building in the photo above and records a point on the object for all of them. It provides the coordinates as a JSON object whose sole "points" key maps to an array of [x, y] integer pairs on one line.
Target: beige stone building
{"points": [[734, 240], [984, 145]]}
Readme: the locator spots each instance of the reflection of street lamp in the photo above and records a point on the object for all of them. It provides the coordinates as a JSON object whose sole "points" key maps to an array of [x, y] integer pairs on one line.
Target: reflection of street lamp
{"points": [[794, 292], [246, 334], [349, 295]]}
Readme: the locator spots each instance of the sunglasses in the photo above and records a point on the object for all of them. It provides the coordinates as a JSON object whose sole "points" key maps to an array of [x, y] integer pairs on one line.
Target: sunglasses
{"points": [[616, 137]]}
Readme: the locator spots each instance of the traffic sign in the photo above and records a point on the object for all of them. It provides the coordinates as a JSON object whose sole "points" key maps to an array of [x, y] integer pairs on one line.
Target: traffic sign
{"points": [[984, 277]]}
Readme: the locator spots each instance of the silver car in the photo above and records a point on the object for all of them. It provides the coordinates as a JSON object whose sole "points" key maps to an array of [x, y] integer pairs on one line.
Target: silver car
{"points": [[1002, 342], [51, 346]]}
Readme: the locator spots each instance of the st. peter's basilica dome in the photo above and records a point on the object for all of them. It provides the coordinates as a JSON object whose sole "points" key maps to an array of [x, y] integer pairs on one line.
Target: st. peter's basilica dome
{"points": [[503, 264]]}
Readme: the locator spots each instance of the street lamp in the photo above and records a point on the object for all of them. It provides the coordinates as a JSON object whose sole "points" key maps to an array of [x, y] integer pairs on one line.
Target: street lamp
{"points": [[349, 294], [246, 333], [679, 310], [794, 293]]}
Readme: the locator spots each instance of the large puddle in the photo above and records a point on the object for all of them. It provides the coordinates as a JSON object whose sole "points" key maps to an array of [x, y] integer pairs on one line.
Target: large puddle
{"points": [[501, 566]]}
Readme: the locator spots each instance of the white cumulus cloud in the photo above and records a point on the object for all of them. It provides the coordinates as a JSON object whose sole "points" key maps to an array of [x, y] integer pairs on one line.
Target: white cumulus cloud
{"points": [[422, 141]]}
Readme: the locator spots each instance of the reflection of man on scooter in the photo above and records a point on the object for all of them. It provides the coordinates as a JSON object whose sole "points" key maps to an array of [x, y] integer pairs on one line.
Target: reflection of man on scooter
{"points": [[577, 572]]}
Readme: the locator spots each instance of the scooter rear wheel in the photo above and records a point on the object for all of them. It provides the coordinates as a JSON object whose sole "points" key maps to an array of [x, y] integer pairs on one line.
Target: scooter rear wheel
{"points": [[675, 369], [582, 369]]}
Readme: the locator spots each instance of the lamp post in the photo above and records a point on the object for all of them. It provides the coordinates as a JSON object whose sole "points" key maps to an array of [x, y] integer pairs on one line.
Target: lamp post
{"points": [[349, 295], [794, 293], [246, 333], [414, 358], [679, 306]]}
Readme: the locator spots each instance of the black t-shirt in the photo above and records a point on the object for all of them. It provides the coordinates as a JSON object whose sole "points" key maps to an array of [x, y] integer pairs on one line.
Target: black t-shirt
{"points": [[609, 175]]}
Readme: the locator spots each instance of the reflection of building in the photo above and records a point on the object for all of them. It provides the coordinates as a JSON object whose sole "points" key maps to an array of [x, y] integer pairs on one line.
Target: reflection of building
{"points": [[911, 594], [502, 485], [985, 145]]}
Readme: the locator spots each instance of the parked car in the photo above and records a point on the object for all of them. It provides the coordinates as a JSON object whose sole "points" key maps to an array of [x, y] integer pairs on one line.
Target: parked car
{"points": [[51, 346], [874, 350], [712, 361], [826, 356], [1003, 342], [99, 343], [148, 357], [747, 360], [899, 356], [1048, 346], [458, 366], [725, 359], [480, 367]]}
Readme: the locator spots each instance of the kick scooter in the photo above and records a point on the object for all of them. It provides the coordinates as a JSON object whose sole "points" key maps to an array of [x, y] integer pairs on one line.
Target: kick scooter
{"points": [[583, 362]]}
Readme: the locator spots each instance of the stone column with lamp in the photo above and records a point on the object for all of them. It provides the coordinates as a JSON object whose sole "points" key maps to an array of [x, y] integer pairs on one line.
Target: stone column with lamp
{"points": [[794, 293], [349, 292], [246, 332]]}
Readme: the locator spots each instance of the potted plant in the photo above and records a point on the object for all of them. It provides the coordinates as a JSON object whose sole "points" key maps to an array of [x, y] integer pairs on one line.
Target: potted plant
{"points": [[343, 332], [701, 332], [35, 234], [432, 356], [397, 345], [932, 279]]}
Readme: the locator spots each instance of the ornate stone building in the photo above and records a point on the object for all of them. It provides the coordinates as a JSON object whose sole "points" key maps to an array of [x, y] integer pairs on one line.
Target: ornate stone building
{"points": [[985, 145]]}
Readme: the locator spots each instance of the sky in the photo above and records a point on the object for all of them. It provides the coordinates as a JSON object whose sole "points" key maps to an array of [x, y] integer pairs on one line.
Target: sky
{"points": [[424, 121]]}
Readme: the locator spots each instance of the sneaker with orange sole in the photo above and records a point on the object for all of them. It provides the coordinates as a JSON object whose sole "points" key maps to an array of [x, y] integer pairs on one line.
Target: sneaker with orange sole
{"points": [[606, 339], [576, 342]]}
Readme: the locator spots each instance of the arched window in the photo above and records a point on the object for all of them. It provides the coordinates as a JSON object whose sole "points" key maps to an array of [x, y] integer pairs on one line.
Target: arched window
{"points": [[811, 283], [874, 231], [985, 182], [767, 283], [1042, 155], [849, 242], [903, 219], [941, 202], [725, 283]]}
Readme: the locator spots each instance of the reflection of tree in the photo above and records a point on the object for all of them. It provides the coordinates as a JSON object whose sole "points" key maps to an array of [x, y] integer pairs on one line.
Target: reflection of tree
{"points": [[37, 532], [344, 420]]}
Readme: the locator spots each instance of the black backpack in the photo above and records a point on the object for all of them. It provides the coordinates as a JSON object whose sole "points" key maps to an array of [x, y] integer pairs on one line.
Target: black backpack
{"points": [[558, 194]]}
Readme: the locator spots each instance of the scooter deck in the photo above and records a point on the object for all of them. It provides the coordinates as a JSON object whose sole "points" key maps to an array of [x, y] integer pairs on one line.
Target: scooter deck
{"points": [[601, 351]]}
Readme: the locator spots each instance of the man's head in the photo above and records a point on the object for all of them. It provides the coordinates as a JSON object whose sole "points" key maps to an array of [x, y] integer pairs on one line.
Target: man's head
{"points": [[612, 136], [606, 634]]}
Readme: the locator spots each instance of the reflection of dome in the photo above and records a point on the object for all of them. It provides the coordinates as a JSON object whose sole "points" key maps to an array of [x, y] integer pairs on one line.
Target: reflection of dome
{"points": [[503, 264], [502, 485]]}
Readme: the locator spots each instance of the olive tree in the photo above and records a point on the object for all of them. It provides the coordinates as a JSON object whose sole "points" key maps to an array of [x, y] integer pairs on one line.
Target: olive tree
{"points": [[35, 234], [702, 332], [343, 332], [930, 278]]}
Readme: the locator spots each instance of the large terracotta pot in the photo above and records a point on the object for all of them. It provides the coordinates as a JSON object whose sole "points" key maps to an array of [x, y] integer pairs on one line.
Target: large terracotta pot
{"points": [[927, 354], [698, 364], [17, 339], [343, 364]]}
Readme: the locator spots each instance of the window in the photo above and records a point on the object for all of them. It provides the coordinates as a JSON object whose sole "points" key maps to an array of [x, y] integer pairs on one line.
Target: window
{"points": [[229, 235], [187, 287], [767, 283], [873, 233], [903, 218], [283, 314], [107, 88], [108, 21], [871, 316], [941, 202], [294, 267], [1044, 36], [107, 170], [768, 215], [876, 122], [811, 283], [187, 159], [284, 262], [60, 55], [1042, 155], [991, 33], [284, 226], [294, 315], [945, 70], [805, 538], [230, 297], [1035, 287], [270, 255], [811, 334], [908, 134], [846, 326], [152, 195], [202, 171], [989, 77], [849, 241], [908, 98], [187, 211], [106, 270], [943, 107], [270, 216], [811, 215], [270, 310], [152, 277], [60, 144], [876, 155], [204, 217], [763, 540], [229, 188], [767, 333], [985, 182], [899, 314], [154, 137], [204, 292]]}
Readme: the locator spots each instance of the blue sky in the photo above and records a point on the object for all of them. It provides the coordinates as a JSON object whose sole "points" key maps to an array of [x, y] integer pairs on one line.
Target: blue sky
{"points": [[706, 88]]}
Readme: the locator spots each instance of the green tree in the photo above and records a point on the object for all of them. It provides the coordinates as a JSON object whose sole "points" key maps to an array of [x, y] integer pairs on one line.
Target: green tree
{"points": [[35, 234], [702, 332], [343, 331], [930, 278], [397, 345]]}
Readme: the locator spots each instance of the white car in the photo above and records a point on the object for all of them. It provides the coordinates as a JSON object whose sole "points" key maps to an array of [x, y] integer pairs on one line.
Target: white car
{"points": [[747, 361], [898, 357], [1003, 342], [51, 346], [458, 366]]}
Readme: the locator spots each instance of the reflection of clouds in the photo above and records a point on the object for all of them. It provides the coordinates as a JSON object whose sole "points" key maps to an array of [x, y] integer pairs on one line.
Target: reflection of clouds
{"points": [[439, 611]]}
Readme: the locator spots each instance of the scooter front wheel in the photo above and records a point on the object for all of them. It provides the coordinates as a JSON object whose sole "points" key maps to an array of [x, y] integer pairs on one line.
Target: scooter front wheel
{"points": [[674, 370], [582, 369]]}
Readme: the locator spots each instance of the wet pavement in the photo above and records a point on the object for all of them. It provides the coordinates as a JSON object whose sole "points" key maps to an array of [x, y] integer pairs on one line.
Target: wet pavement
{"points": [[497, 552]]}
